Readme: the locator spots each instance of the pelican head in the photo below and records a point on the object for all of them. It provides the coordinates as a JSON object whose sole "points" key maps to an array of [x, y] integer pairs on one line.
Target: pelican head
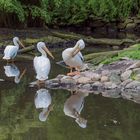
{"points": [[17, 42], [17, 80], [81, 122], [78, 47], [43, 115], [43, 49], [81, 44]]}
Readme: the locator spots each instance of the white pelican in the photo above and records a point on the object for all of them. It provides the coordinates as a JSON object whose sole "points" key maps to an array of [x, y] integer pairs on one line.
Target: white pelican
{"points": [[73, 57], [10, 51], [12, 70], [42, 63], [43, 100], [73, 107]]}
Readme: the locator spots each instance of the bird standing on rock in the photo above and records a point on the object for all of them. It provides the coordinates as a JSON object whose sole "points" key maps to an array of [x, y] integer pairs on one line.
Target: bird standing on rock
{"points": [[42, 63], [74, 58]]}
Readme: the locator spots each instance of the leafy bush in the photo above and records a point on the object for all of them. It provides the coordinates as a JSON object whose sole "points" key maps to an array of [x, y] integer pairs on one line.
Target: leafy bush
{"points": [[66, 12]]}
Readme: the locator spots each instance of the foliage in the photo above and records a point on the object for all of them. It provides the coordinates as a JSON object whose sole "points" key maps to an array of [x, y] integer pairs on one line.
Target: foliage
{"points": [[132, 53], [67, 12]]}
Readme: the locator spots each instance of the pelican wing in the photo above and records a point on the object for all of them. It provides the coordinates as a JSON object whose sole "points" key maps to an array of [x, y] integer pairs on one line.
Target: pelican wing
{"points": [[10, 52], [81, 56], [42, 67]]}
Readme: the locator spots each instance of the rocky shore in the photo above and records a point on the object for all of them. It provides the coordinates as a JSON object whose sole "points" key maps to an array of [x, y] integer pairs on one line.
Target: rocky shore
{"points": [[119, 79]]}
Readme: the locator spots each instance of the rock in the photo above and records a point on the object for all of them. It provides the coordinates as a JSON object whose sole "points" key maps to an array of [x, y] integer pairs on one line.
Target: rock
{"points": [[104, 79], [96, 92], [110, 85], [124, 83], [135, 65], [86, 86], [137, 77], [127, 21], [68, 80], [53, 85], [60, 76], [121, 25], [55, 80], [126, 75], [115, 78], [127, 95], [137, 21], [133, 84], [93, 76], [76, 77], [113, 93], [105, 73], [130, 26], [83, 80], [136, 70], [99, 66], [115, 47], [131, 95], [97, 86], [66, 77]]}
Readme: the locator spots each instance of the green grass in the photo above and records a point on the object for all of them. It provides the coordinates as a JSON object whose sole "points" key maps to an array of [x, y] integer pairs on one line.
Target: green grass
{"points": [[133, 53]]}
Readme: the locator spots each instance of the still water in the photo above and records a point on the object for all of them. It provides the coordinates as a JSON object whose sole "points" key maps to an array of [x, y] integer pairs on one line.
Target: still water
{"points": [[42, 114]]}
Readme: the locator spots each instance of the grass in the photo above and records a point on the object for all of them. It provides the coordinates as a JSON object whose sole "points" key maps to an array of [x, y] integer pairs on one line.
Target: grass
{"points": [[133, 52]]}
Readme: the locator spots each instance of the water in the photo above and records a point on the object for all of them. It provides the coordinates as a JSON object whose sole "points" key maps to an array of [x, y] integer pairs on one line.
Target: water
{"points": [[107, 118]]}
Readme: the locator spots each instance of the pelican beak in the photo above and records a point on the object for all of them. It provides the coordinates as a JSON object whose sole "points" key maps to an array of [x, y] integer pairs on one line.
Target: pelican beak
{"points": [[24, 71], [47, 51], [76, 50], [21, 44]]}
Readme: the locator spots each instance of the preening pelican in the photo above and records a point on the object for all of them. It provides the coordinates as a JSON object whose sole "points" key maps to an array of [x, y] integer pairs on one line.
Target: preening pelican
{"points": [[73, 107], [11, 70], [42, 63], [73, 57], [10, 51], [43, 100]]}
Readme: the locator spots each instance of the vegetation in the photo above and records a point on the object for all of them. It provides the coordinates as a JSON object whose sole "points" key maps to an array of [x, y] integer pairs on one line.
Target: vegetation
{"points": [[112, 56], [133, 53], [64, 12]]}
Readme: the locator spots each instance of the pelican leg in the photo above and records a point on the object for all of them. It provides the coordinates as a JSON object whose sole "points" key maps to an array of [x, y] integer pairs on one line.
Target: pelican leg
{"points": [[74, 73], [77, 72], [70, 73]]}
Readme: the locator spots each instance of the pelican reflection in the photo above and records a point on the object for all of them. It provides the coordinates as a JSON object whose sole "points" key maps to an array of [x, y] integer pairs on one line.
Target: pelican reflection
{"points": [[11, 70], [43, 101], [73, 107]]}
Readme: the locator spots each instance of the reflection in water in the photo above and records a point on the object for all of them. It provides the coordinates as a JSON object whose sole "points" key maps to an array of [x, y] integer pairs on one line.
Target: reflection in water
{"points": [[17, 121], [11, 70], [43, 100], [73, 107]]}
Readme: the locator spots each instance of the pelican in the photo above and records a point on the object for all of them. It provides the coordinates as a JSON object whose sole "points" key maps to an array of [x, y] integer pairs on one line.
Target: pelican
{"points": [[11, 70], [73, 107], [42, 63], [10, 51], [73, 57], [43, 100]]}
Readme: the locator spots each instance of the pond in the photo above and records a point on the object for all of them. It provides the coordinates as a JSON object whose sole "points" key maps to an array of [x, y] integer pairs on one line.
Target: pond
{"points": [[21, 117]]}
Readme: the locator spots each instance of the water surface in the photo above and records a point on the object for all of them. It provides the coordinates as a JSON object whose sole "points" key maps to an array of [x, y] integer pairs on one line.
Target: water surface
{"points": [[107, 118]]}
